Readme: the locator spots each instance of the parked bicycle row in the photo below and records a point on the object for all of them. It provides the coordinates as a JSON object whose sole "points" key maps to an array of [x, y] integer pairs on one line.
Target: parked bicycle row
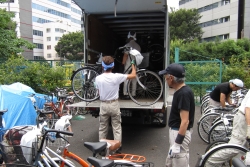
{"points": [[221, 127]]}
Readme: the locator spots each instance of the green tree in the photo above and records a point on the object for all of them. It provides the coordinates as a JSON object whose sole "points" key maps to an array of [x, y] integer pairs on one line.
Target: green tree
{"points": [[33, 74], [70, 46], [184, 24], [10, 44]]}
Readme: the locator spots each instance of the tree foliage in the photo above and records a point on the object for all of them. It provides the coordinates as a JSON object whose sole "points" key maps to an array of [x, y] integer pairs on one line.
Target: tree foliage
{"points": [[184, 24], [33, 74], [10, 44], [221, 50], [70, 46]]}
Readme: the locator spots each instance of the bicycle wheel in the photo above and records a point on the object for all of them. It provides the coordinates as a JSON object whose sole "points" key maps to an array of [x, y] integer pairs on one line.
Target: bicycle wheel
{"points": [[220, 131], [217, 156], [156, 52], [204, 104], [83, 84], [205, 123], [216, 143], [148, 88]]}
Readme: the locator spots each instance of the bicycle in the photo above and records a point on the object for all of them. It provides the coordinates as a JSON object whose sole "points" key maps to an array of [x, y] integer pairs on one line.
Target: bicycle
{"points": [[39, 153], [149, 86], [234, 149]]}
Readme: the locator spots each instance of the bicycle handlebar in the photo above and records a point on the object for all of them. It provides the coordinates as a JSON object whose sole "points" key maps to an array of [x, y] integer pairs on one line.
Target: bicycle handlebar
{"points": [[57, 135]]}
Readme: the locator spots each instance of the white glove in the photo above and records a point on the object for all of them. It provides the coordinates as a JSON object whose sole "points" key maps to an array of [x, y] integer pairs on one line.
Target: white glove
{"points": [[248, 131], [175, 149]]}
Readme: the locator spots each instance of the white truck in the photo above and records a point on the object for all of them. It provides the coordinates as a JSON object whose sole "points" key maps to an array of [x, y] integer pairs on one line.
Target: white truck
{"points": [[106, 24]]}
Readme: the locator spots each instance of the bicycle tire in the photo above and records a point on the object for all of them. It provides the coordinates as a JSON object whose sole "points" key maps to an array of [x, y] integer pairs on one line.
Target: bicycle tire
{"points": [[231, 147], [204, 124], [216, 143], [156, 52], [83, 84], [204, 104], [218, 131], [153, 88]]}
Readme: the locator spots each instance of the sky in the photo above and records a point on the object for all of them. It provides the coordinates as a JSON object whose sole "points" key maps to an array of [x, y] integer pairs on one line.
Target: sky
{"points": [[173, 3]]}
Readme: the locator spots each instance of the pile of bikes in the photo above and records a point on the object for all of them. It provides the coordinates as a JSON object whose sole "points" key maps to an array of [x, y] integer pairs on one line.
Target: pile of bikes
{"points": [[215, 128]]}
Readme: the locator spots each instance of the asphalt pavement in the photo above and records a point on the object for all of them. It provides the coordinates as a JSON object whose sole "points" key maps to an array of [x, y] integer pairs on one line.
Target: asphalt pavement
{"points": [[150, 141]]}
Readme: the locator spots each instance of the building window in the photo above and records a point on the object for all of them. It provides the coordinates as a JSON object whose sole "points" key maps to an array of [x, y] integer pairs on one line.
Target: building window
{"points": [[226, 36], [48, 30], [57, 38], [39, 45], [227, 19], [38, 33], [225, 2], [48, 38], [48, 55], [48, 47]]}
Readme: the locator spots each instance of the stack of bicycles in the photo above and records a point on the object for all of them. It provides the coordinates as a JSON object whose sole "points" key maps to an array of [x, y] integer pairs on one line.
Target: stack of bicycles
{"points": [[216, 123], [33, 150]]}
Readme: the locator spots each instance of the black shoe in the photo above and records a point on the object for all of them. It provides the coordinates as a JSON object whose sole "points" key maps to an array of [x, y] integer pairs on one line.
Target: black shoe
{"points": [[126, 97]]}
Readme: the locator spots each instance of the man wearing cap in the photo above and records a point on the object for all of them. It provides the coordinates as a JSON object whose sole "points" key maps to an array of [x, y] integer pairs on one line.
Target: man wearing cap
{"points": [[181, 118], [240, 133], [126, 63], [221, 93], [108, 85]]}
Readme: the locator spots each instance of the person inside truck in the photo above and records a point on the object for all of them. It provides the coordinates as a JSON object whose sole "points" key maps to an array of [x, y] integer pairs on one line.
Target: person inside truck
{"points": [[108, 86], [126, 63], [181, 118]]}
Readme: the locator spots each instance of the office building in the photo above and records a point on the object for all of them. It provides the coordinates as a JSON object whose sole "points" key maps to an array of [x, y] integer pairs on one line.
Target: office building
{"points": [[226, 19], [43, 22]]}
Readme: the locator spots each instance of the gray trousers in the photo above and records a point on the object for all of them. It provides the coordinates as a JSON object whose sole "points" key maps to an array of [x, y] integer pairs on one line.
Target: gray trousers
{"points": [[181, 159], [238, 137], [214, 103], [110, 110]]}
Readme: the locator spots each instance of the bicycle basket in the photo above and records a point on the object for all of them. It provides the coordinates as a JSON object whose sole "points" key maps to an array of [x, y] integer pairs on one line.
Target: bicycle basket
{"points": [[16, 155], [145, 61]]}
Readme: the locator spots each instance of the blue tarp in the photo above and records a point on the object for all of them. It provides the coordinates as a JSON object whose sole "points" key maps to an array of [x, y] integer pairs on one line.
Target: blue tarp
{"points": [[21, 111]]}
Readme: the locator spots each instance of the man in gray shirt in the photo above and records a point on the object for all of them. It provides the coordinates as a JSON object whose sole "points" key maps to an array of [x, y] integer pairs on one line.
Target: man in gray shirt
{"points": [[126, 63]]}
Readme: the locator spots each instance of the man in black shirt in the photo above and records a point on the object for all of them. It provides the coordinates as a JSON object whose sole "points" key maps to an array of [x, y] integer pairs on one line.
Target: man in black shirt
{"points": [[181, 117], [221, 93]]}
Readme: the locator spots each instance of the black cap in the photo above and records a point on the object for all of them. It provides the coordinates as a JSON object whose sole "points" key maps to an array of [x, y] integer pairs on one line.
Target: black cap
{"points": [[174, 69]]}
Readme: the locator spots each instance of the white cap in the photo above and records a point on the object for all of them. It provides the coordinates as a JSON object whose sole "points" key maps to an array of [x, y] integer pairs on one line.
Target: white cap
{"points": [[237, 82], [132, 36]]}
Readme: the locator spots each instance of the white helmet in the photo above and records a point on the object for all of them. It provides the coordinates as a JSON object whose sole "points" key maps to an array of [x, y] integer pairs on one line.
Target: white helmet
{"points": [[237, 82]]}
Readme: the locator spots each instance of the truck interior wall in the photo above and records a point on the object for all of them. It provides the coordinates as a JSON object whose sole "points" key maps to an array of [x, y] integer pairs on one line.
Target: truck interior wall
{"points": [[101, 39]]}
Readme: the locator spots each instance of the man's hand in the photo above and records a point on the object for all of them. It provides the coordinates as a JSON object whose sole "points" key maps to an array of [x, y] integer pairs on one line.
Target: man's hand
{"points": [[248, 133], [175, 149]]}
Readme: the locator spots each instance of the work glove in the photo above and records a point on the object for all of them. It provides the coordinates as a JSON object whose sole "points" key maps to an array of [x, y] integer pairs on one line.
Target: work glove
{"points": [[133, 62], [175, 149]]}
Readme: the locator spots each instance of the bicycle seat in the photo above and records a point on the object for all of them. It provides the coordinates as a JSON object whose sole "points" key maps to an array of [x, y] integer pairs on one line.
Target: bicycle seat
{"points": [[96, 147], [100, 162], [115, 144]]}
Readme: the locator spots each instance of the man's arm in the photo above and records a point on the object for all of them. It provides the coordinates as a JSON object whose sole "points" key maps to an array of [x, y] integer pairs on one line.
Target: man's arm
{"points": [[184, 122], [247, 115], [124, 58], [132, 75], [222, 99]]}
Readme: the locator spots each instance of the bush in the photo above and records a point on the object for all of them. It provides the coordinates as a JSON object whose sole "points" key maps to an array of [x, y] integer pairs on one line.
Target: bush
{"points": [[33, 74]]}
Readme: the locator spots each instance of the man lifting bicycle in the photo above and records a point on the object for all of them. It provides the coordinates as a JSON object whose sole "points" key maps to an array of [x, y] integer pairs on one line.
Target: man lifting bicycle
{"points": [[108, 86]]}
